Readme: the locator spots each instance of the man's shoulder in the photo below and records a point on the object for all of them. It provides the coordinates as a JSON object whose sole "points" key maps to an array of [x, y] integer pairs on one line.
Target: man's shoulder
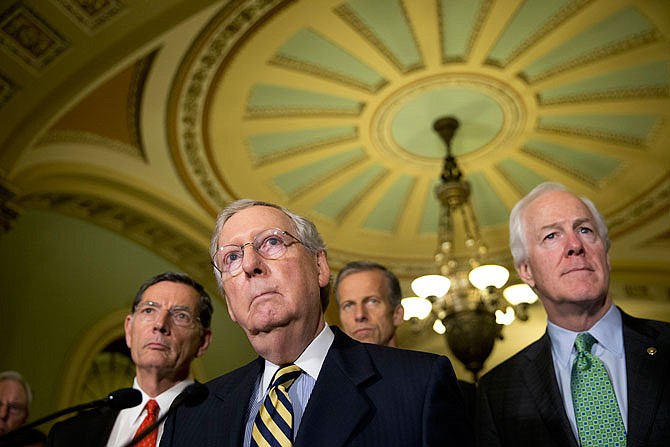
{"points": [[510, 369]]}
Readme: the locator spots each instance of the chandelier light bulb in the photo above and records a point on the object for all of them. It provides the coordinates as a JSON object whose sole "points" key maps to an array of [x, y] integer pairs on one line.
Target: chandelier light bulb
{"points": [[416, 307], [431, 285], [489, 275], [506, 317], [439, 327]]}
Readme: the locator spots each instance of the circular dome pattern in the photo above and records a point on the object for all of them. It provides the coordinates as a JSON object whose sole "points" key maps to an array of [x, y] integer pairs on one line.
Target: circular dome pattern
{"points": [[327, 107]]}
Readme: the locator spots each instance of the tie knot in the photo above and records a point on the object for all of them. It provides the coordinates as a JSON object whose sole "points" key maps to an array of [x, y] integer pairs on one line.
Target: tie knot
{"points": [[584, 342], [152, 408], [286, 375]]}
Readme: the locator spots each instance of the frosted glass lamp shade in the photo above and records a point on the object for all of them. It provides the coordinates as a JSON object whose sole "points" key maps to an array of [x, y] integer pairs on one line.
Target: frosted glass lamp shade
{"points": [[431, 285], [489, 275]]}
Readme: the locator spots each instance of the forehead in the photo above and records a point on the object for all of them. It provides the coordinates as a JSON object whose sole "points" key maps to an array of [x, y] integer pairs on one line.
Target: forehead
{"points": [[363, 283], [247, 223], [11, 390], [555, 207], [169, 294]]}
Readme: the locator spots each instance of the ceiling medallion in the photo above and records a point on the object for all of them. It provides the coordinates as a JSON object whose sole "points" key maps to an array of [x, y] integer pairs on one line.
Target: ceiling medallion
{"points": [[495, 116]]}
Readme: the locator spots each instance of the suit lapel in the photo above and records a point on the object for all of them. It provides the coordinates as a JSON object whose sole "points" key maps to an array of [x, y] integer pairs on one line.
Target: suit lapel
{"points": [[644, 372], [336, 407], [229, 429], [540, 379]]}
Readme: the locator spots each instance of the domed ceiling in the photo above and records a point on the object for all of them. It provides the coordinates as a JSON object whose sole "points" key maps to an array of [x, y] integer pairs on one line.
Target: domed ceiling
{"points": [[171, 111]]}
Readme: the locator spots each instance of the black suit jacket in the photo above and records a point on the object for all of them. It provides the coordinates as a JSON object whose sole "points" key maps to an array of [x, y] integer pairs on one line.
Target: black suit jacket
{"points": [[519, 403], [365, 395], [87, 429]]}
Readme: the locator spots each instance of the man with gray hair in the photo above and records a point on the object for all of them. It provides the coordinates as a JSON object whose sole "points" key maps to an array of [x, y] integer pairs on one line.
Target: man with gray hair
{"points": [[598, 376], [311, 384], [15, 399], [368, 298]]}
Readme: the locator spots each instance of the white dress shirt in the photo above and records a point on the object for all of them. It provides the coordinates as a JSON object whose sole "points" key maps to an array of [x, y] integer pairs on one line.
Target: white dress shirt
{"points": [[129, 420], [608, 331], [310, 361]]}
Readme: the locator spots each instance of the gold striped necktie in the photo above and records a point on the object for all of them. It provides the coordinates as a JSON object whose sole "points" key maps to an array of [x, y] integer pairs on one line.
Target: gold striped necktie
{"points": [[273, 426]]}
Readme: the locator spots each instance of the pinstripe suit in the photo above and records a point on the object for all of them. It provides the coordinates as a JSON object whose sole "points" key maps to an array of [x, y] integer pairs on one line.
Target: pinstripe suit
{"points": [[365, 395], [519, 403]]}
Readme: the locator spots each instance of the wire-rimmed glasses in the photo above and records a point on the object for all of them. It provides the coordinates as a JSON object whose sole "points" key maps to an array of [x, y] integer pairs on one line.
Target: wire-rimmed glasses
{"points": [[148, 312], [270, 244]]}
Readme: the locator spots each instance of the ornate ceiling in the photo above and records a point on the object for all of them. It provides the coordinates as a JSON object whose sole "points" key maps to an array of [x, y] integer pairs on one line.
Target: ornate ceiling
{"points": [[327, 107], [147, 117]]}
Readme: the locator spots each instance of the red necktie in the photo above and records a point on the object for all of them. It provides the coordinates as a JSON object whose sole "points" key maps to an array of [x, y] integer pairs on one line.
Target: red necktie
{"points": [[150, 418]]}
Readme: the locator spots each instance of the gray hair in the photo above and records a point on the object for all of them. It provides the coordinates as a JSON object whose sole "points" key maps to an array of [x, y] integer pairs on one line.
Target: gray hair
{"points": [[392, 283], [304, 229], [15, 376], [518, 241]]}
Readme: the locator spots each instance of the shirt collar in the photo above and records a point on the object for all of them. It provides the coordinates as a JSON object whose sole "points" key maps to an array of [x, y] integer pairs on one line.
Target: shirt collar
{"points": [[310, 361], [607, 331], [164, 399]]}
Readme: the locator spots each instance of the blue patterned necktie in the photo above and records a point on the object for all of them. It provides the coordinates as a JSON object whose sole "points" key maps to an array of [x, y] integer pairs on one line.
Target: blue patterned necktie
{"points": [[599, 421], [273, 426]]}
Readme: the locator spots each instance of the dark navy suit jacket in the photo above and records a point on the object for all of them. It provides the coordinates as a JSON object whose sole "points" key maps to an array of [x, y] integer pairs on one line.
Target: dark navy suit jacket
{"points": [[88, 429], [519, 403], [365, 395]]}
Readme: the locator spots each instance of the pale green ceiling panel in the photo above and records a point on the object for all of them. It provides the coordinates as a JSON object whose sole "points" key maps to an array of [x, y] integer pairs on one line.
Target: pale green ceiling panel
{"points": [[486, 203], [266, 98], [636, 127], [590, 166], [530, 19], [303, 177], [385, 24], [385, 215], [315, 53], [640, 79], [458, 20], [345, 197], [521, 177], [610, 35], [271, 145]]}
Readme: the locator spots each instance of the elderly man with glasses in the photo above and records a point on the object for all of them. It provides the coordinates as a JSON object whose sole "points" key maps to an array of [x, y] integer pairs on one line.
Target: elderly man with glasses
{"points": [[311, 385], [168, 327], [15, 399]]}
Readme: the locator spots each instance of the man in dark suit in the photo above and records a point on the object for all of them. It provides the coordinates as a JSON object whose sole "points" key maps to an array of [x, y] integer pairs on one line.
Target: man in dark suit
{"points": [[560, 246], [272, 268], [168, 327]]}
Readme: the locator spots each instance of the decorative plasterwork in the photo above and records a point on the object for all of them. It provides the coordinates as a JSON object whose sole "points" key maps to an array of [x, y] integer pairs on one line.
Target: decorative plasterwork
{"points": [[7, 90], [91, 15], [29, 38]]}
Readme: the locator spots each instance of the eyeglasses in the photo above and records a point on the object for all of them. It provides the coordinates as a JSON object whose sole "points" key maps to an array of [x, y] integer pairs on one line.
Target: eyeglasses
{"points": [[270, 244], [148, 312], [14, 409]]}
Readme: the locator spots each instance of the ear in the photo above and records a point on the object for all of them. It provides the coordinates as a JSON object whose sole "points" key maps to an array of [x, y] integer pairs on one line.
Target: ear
{"points": [[204, 342], [323, 268], [398, 315], [526, 274], [126, 327]]}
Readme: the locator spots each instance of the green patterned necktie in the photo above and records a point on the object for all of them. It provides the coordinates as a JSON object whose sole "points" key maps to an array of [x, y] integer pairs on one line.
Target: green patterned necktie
{"points": [[599, 421], [273, 426]]}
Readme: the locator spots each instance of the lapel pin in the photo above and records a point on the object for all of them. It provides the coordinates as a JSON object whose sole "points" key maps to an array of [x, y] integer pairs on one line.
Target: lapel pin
{"points": [[651, 350]]}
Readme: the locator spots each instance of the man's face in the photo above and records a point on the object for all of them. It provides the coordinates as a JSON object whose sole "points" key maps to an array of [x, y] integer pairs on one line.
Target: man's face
{"points": [[568, 262], [365, 311], [157, 343], [13, 405], [268, 294]]}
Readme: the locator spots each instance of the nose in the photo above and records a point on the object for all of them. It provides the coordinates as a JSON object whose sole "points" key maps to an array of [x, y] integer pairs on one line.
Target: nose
{"points": [[162, 323], [252, 261], [360, 315], [574, 245]]}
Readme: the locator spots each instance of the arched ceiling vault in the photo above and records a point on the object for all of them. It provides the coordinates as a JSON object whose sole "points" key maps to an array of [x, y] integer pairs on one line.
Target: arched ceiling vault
{"points": [[327, 108]]}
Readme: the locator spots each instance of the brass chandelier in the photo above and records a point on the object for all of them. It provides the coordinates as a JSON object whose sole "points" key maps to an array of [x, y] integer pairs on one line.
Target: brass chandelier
{"points": [[465, 300]]}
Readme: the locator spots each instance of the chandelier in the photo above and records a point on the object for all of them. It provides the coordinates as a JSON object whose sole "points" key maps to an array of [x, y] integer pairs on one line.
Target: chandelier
{"points": [[465, 300]]}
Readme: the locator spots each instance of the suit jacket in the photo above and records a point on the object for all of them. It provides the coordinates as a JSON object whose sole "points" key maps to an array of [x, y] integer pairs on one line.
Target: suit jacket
{"points": [[365, 395], [519, 402], [88, 429]]}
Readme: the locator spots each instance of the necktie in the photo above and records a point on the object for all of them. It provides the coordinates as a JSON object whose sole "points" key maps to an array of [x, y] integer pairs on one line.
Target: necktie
{"points": [[273, 426], [150, 418], [597, 413]]}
